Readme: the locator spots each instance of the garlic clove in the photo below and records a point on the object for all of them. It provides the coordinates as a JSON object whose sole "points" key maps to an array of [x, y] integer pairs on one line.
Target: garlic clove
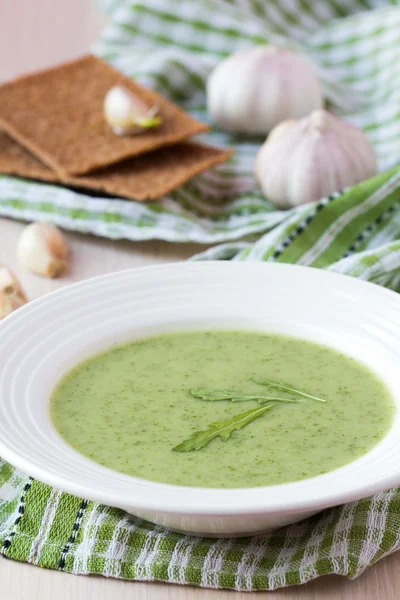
{"points": [[305, 160], [43, 250], [11, 293], [126, 113], [253, 90]]}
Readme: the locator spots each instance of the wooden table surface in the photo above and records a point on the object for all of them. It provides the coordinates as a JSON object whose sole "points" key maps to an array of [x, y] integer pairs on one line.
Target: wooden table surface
{"points": [[37, 34]]}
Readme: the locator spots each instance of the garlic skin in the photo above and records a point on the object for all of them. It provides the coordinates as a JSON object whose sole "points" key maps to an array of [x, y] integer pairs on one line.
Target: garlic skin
{"points": [[11, 293], [255, 89], [126, 113], [43, 250], [303, 161]]}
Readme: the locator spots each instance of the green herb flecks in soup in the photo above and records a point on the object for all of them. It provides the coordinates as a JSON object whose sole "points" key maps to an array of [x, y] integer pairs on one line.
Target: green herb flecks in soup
{"points": [[166, 408]]}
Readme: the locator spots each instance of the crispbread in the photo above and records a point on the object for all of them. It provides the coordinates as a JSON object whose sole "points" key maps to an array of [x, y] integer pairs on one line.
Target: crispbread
{"points": [[145, 177], [57, 114]]}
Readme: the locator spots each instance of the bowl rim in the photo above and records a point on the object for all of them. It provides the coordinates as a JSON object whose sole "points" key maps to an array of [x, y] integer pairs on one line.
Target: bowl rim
{"points": [[232, 501]]}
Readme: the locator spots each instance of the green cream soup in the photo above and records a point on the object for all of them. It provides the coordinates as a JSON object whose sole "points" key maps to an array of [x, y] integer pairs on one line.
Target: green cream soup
{"points": [[132, 409]]}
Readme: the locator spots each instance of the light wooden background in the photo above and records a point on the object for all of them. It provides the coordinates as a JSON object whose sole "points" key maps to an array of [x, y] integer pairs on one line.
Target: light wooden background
{"points": [[38, 33]]}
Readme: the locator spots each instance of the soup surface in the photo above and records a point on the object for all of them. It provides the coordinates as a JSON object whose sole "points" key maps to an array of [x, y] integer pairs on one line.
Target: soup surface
{"points": [[131, 407]]}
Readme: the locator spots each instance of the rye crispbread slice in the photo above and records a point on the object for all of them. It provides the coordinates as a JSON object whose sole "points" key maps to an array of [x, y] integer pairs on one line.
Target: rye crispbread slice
{"points": [[57, 114], [146, 177]]}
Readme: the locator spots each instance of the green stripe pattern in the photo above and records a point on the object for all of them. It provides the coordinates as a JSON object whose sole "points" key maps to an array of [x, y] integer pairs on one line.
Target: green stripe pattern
{"points": [[355, 232], [60, 531], [172, 46]]}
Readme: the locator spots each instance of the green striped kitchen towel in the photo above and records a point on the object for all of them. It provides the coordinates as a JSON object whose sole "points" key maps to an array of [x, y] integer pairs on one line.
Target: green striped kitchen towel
{"points": [[51, 529], [355, 232], [172, 46]]}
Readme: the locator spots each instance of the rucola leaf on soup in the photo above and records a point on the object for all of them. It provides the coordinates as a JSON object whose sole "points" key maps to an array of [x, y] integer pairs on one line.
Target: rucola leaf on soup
{"points": [[222, 429], [215, 395], [273, 385]]}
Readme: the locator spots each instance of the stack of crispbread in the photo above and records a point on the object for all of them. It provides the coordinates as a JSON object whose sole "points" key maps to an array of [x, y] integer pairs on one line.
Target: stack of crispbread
{"points": [[54, 130]]}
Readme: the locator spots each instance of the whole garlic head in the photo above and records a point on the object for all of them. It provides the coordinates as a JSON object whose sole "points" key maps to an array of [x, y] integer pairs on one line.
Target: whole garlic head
{"points": [[42, 249], [126, 113], [305, 160], [11, 293], [255, 89]]}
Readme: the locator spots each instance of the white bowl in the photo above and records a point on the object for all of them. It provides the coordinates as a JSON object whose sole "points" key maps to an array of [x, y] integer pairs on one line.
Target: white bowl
{"points": [[43, 340]]}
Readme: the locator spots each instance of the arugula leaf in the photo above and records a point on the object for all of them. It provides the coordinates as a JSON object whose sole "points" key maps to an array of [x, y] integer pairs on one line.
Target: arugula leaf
{"points": [[214, 395], [222, 429], [285, 388]]}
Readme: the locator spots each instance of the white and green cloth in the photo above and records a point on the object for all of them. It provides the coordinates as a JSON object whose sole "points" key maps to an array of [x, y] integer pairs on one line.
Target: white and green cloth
{"points": [[172, 45]]}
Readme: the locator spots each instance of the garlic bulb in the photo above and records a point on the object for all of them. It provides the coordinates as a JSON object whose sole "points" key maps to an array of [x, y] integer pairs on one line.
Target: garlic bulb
{"points": [[43, 249], [303, 161], [254, 89], [126, 113], [11, 293]]}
